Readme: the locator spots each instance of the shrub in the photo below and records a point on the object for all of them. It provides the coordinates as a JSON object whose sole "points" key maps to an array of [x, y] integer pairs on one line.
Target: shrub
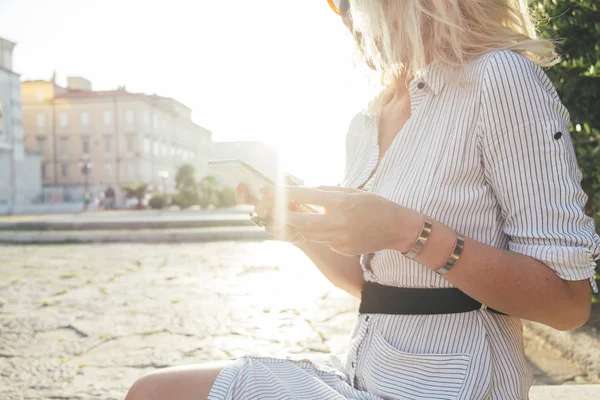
{"points": [[186, 198], [226, 197], [158, 201]]}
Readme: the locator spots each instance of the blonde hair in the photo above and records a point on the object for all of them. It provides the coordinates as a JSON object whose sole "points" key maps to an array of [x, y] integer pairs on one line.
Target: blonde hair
{"points": [[398, 38]]}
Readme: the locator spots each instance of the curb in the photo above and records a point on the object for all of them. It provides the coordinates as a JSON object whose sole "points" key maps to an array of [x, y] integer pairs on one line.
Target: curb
{"points": [[581, 345], [236, 220], [251, 233]]}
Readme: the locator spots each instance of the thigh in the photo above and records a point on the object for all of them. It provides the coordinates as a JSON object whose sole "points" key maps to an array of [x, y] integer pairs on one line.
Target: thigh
{"points": [[188, 382]]}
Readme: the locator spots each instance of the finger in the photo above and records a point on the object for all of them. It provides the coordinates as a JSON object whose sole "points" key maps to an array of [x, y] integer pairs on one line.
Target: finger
{"points": [[291, 180], [311, 221], [306, 195], [264, 207], [242, 195], [266, 191]]}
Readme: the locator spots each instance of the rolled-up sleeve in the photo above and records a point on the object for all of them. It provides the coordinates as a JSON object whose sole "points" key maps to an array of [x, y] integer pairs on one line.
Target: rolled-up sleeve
{"points": [[530, 164]]}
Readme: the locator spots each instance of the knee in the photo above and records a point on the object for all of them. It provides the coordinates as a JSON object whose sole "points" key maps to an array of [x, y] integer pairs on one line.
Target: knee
{"points": [[144, 388]]}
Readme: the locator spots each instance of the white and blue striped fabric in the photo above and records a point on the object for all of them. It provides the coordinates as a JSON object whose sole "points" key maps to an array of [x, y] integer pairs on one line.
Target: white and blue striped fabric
{"points": [[492, 159]]}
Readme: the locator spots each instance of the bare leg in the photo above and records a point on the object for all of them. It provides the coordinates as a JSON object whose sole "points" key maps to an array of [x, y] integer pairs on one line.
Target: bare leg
{"points": [[190, 382]]}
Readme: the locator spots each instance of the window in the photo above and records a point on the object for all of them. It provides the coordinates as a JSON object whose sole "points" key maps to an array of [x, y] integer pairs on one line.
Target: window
{"points": [[164, 149], [146, 145], [40, 120], [85, 118], [146, 118], [64, 170], [63, 119], [155, 148], [39, 95], [107, 143], [108, 172], [130, 117], [41, 144], [107, 116], [63, 146], [164, 123], [1, 119], [43, 171], [85, 144], [130, 147], [155, 121]]}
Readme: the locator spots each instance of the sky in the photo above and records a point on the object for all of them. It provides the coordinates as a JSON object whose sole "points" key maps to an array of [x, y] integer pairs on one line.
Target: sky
{"points": [[278, 71]]}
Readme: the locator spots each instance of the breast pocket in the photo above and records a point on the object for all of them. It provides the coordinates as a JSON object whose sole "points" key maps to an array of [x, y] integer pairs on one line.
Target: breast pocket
{"points": [[394, 374]]}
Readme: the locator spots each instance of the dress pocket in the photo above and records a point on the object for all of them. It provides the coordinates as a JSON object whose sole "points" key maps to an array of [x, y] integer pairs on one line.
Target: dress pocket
{"points": [[394, 374]]}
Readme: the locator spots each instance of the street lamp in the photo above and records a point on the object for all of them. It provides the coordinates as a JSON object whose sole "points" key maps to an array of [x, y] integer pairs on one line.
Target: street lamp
{"points": [[164, 175], [86, 168]]}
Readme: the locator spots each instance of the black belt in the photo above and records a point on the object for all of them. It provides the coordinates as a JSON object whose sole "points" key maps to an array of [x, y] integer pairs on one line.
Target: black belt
{"points": [[381, 299]]}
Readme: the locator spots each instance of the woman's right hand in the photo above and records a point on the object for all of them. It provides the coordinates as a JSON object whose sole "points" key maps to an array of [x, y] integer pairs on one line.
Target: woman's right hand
{"points": [[263, 207]]}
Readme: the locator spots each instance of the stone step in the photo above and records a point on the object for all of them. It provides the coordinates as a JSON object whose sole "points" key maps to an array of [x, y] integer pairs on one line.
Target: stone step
{"points": [[129, 222], [244, 233]]}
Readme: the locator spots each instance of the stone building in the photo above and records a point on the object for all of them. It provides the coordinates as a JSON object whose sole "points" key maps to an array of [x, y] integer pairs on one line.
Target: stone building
{"points": [[96, 139], [20, 183]]}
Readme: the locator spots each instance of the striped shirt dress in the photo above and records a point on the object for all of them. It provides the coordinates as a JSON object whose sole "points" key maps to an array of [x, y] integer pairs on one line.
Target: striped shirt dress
{"points": [[492, 158]]}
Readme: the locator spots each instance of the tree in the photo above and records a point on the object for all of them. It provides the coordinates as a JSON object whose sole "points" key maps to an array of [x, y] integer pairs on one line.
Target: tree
{"points": [[575, 25], [185, 182], [186, 177], [136, 192]]}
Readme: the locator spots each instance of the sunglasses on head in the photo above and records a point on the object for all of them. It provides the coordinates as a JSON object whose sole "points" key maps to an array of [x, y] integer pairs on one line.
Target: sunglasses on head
{"points": [[340, 7]]}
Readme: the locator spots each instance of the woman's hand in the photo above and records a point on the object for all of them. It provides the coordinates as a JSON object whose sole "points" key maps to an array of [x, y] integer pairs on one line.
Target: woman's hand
{"points": [[264, 209], [355, 222]]}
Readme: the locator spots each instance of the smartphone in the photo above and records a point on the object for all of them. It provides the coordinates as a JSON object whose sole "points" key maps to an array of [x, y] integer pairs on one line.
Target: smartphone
{"points": [[236, 172]]}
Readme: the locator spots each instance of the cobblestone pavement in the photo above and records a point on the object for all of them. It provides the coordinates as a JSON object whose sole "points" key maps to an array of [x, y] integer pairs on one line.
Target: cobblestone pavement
{"points": [[83, 322]]}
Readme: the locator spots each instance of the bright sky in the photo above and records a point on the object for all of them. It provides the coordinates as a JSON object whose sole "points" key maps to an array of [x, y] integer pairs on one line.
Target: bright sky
{"points": [[278, 71]]}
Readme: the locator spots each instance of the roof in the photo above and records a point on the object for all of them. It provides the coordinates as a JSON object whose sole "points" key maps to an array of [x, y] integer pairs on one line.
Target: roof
{"points": [[9, 71], [69, 94]]}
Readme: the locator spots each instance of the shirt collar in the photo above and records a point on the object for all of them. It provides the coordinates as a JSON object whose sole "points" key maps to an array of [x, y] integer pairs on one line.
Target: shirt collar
{"points": [[433, 76]]}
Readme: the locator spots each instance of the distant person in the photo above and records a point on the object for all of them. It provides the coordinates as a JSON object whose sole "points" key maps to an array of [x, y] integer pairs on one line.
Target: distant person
{"points": [[461, 212], [109, 198], [87, 199]]}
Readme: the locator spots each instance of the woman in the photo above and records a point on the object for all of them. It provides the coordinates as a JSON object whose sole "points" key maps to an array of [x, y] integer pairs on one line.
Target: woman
{"points": [[461, 212]]}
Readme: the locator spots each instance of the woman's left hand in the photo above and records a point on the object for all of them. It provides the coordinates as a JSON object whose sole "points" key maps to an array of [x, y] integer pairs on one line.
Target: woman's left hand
{"points": [[355, 222]]}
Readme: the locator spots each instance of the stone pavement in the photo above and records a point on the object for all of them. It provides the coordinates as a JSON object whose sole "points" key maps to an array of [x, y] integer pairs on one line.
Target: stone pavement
{"points": [[84, 321]]}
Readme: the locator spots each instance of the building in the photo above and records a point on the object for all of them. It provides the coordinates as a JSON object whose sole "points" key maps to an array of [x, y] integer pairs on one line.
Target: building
{"points": [[20, 182], [97, 139]]}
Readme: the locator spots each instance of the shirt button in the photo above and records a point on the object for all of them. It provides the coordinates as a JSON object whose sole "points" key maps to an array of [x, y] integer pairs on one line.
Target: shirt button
{"points": [[421, 85], [557, 135]]}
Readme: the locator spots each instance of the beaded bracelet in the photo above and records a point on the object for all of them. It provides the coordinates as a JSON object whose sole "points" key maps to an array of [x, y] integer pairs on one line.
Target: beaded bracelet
{"points": [[451, 262], [418, 246]]}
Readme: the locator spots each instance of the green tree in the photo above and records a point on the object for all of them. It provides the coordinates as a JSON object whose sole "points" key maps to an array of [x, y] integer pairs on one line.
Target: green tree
{"points": [[186, 177], [575, 25], [187, 189], [136, 192], [209, 192]]}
